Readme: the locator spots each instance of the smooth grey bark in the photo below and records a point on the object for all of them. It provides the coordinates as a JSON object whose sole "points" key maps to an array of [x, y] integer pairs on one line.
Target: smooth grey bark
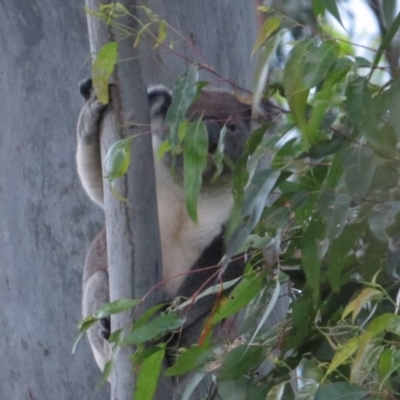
{"points": [[47, 220], [133, 240]]}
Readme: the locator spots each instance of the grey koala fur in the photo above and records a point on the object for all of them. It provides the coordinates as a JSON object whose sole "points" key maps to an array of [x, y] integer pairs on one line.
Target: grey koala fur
{"points": [[185, 246]]}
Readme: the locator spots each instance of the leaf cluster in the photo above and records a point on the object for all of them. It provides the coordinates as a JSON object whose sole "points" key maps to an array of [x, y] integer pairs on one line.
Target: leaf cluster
{"points": [[324, 216]]}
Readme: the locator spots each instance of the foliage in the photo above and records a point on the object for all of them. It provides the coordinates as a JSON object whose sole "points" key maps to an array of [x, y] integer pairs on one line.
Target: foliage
{"points": [[334, 217]]}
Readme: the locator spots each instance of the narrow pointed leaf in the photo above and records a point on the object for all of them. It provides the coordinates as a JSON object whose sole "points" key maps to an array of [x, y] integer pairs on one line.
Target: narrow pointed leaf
{"points": [[102, 68], [195, 160]]}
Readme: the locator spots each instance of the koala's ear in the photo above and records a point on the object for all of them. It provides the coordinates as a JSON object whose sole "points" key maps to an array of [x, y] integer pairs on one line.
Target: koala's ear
{"points": [[85, 88], [159, 98]]}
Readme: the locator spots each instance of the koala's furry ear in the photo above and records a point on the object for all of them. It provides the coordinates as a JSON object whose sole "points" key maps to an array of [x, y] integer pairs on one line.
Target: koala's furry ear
{"points": [[159, 98], [85, 88]]}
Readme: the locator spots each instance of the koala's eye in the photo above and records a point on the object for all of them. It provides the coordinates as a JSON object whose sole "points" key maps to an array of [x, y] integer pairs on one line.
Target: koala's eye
{"points": [[231, 126]]}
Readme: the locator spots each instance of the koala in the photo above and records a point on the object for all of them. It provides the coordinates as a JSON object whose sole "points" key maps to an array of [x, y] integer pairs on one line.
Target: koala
{"points": [[185, 245]]}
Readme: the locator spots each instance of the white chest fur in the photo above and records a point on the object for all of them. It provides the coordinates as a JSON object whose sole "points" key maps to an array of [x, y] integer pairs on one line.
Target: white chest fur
{"points": [[182, 241]]}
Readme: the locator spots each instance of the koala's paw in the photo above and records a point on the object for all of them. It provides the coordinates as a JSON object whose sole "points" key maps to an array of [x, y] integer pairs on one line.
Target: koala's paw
{"points": [[91, 113], [105, 328]]}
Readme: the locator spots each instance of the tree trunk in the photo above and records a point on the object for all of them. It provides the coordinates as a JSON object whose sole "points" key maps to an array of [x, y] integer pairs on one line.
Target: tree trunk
{"points": [[47, 220], [133, 240]]}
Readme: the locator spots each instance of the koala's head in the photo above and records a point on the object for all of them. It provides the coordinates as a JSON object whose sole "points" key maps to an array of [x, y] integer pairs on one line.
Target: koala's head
{"points": [[217, 108]]}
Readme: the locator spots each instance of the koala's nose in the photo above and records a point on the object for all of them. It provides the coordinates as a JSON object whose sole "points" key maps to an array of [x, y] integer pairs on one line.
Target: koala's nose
{"points": [[214, 131]]}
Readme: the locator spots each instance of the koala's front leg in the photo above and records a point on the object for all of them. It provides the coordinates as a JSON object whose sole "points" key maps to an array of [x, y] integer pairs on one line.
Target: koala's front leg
{"points": [[88, 155]]}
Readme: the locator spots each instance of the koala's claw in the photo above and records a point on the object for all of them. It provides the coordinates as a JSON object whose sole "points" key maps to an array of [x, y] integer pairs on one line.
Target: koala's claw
{"points": [[85, 88]]}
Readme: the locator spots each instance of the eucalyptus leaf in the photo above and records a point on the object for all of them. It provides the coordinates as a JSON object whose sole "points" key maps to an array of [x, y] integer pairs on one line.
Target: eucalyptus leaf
{"points": [[359, 166], [241, 295], [188, 360], [147, 378], [262, 67], [318, 62], [296, 92], [240, 361], [102, 69], [233, 390], [153, 329], [310, 251], [341, 391], [115, 307], [334, 211], [184, 94], [195, 161]]}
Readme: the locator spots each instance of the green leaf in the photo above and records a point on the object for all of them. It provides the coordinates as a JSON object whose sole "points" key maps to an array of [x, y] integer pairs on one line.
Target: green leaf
{"points": [[385, 363], [241, 295], [389, 10], [393, 325], [240, 361], [311, 254], [153, 329], [361, 109], [147, 315], [359, 166], [185, 92], [341, 391], [334, 211], [240, 173], [339, 251], [118, 159], [324, 147], [233, 390], [254, 202], [269, 27], [147, 378], [342, 354], [115, 307], [392, 30], [318, 7], [262, 68], [318, 62], [374, 258], [384, 222], [303, 314], [359, 302], [192, 385], [380, 324], [195, 160], [307, 392], [276, 392], [162, 33], [393, 106], [268, 309], [296, 91], [384, 181], [83, 327], [332, 7], [339, 70], [140, 33], [188, 361], [102, 68], [105, 375]]}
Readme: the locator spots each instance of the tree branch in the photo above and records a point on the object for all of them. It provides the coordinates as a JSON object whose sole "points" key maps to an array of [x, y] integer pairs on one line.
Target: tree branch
{"points": [[134, 255]]}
